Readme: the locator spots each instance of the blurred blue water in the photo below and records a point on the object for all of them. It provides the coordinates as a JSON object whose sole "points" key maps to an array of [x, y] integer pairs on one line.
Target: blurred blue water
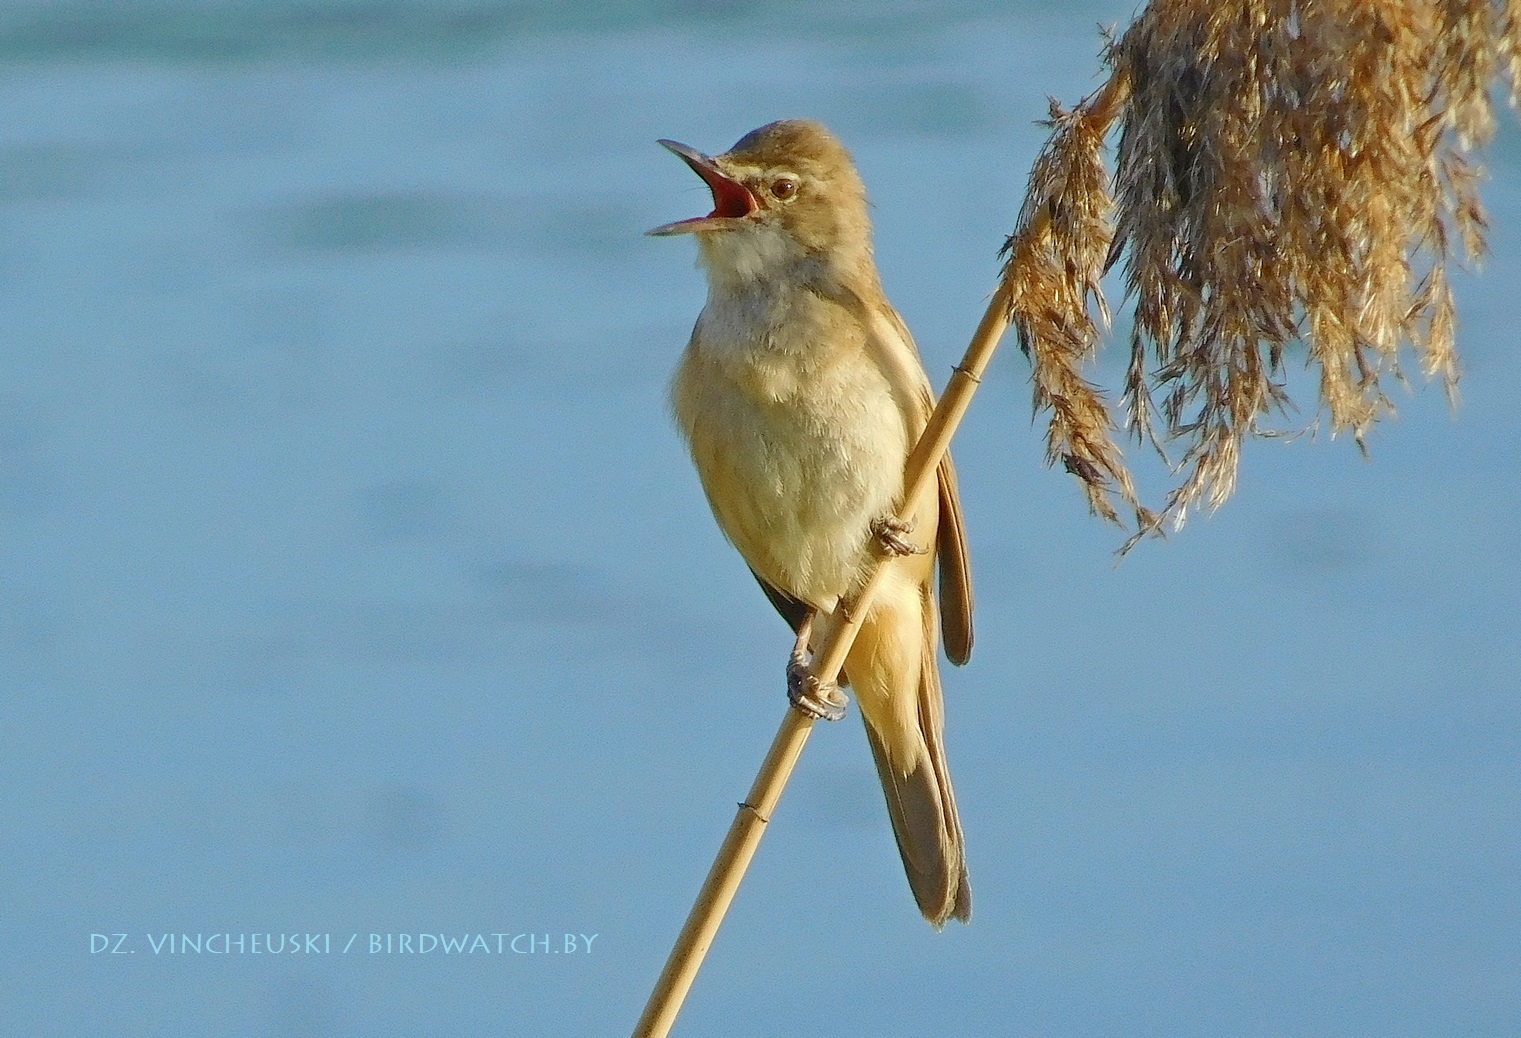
{"points": [[352, 579]]}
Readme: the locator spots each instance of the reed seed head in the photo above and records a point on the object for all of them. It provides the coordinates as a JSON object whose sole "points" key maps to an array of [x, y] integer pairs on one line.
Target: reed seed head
{"points": [[1286, 171]]}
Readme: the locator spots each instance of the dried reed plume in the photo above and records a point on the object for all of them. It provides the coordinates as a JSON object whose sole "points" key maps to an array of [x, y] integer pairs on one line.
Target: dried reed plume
{"points": [[1286, 169]]}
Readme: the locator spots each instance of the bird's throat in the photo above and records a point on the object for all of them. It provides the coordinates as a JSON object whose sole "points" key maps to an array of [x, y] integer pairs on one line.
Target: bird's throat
{"points": [[737, 260]]}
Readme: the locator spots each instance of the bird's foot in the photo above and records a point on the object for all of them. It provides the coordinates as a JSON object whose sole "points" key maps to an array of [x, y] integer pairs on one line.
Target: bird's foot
{"points": [[891, 532], [813, 697]]}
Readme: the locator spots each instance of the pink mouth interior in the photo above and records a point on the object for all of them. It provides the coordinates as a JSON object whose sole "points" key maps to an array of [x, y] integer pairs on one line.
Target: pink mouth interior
{"points": [[730, 199]]}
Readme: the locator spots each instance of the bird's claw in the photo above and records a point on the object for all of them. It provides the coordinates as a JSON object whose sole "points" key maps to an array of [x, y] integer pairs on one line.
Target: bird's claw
{"points": [[818, 699], [890, 532]]}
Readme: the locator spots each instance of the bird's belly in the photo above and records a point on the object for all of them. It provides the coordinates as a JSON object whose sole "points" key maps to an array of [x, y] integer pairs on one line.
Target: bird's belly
{"points": [[795, 480]]}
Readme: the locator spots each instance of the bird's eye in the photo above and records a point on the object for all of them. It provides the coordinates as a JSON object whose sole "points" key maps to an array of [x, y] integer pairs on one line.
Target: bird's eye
{"points": [[783, 188]]}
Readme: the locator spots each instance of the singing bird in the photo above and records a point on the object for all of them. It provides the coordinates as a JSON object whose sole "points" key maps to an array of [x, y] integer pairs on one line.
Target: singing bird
{"points": [[800, 395]]}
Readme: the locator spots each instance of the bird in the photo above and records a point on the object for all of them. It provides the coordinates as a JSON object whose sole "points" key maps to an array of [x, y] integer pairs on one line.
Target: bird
{"points": [[800, 394]]}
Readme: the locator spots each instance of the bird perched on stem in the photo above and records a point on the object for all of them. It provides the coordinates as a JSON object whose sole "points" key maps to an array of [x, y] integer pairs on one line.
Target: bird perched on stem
{"points": [[800, 395]]}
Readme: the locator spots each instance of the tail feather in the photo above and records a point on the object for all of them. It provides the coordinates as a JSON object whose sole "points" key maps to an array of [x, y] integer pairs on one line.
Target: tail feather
{"points": [[929, 838], [922, 805]]}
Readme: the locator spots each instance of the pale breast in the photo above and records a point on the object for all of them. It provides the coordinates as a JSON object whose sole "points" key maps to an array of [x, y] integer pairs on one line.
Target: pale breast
{"points": [[798, 441]]}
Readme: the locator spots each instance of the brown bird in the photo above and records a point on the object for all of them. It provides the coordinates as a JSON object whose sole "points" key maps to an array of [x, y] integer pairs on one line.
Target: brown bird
{"points": [[800, 395]]}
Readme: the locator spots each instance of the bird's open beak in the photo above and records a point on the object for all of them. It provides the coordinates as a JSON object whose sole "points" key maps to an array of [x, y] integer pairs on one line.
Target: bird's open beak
{"points": [[731, 200]]}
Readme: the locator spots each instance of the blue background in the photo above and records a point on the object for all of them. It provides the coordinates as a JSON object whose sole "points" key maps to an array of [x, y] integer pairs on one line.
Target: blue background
{"points": [[354, 580]]}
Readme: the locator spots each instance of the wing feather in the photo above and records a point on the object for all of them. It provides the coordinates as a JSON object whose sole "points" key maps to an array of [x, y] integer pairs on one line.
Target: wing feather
{"points": [[906, 372]]}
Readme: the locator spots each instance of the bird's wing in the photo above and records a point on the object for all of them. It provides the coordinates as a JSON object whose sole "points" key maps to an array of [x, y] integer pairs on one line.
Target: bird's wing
{"points": [[955, 570], [792, 610], [899, 358]]}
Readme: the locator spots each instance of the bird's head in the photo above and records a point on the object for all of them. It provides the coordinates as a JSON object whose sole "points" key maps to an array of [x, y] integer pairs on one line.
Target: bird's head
{"points": [[786, 197]]}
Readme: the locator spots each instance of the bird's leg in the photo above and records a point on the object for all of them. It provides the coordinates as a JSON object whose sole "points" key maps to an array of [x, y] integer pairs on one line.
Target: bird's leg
{"points": [[890, 533], [806, 692], [799, 659]]}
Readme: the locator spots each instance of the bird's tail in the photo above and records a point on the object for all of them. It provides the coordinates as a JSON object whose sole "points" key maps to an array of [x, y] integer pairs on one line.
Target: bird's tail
{"points": [[922, 804]]}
